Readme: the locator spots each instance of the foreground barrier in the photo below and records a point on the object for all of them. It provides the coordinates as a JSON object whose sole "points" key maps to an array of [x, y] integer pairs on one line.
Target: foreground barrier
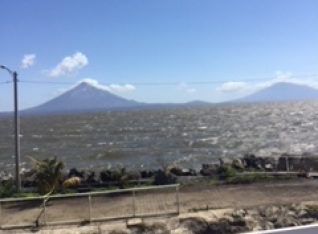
{"points": [[310, 229], [89, 207]]}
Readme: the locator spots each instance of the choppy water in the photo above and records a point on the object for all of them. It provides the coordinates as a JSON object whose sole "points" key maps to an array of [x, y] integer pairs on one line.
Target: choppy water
{"points": [[149, 138]]}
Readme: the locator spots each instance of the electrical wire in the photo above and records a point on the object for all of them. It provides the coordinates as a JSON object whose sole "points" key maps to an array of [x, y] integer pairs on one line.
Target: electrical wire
{"points": [[5, 82], [170, 83]]}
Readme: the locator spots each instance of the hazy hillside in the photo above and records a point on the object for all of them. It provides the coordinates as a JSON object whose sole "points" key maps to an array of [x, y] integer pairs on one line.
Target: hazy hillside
{"points": [[281, 92]]}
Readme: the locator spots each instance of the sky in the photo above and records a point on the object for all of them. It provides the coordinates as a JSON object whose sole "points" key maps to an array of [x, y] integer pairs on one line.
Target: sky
{"points": [[156, 51]]}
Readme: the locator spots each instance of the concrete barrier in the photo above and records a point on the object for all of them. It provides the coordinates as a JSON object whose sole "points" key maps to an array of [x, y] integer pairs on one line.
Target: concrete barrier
{"points": [[310, 229]]}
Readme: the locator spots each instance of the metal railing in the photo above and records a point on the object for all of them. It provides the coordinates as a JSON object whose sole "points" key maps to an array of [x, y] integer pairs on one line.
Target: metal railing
{"points": [[90, 207]]}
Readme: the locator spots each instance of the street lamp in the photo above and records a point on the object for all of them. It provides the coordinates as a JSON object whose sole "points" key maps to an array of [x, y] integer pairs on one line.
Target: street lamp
{"points": [[16, 128]]}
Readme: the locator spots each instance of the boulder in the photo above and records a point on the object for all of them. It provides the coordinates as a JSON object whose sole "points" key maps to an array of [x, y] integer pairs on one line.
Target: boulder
{"points": [[75, 173], [249, 160], [269, 167], [164, 178], [209, 169], [253, 162], [286, 221], [195, 225], [225, 161], [106, 176], [238, 164], [176, 171], [145, 174], [89, 177], [268, 225]]}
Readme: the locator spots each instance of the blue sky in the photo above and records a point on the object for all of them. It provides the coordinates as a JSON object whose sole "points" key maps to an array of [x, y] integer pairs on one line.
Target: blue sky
{"points": [[132, 47]]}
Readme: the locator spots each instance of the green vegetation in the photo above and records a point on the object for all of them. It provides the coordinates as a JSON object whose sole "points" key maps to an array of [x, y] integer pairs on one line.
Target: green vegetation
{"points": [[226, 172], [47, 174], [26, 195], [6, 189]]}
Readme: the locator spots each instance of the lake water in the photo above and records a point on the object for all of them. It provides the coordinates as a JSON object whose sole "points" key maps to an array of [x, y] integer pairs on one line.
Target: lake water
{"points": [[150, 138]]}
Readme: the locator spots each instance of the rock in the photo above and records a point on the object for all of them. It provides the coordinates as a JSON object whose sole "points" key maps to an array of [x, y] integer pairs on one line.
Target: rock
{"points": [[239, 222], [173, 223], [249, 160], [257, 228], [134, 222], [251, 222], [145, 174], [270, 212], [225, 161], [149, 228], [118, 231], [312, 213], [175, 170], [238, 164], [224, 227], [209, 169], [252, 212], [188, 172], [239, 213], [181, 230], [268, 226], [157, 228], [105, 176], [269, 167], [75, 173], [171, 167], [302, 213], [220, 228], [253, 162], [306, 221], [195, 225], [79, 230], [164, 178], [285, 221]]}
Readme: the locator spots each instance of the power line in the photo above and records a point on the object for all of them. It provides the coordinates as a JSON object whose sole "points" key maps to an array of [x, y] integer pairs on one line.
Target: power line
{"points": [[170, 83], [6, 82], [45, 82]]}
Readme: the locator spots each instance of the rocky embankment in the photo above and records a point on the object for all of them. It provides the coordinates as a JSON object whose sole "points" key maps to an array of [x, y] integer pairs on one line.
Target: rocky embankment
{"points": [[229, 221], [223, 221], [169, 174]]}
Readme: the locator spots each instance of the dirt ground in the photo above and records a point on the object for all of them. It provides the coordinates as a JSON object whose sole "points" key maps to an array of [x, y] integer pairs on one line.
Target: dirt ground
{"points": [[164, 201]]}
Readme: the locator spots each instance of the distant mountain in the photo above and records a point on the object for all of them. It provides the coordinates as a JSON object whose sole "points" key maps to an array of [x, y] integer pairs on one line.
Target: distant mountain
{"points": [[197, 103], [83, 97], [282, 91]]}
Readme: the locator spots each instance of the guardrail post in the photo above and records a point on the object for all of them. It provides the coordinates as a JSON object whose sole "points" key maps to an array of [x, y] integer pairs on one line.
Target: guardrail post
{"points": [[0, 211], [44, 210], [134, 202], [89, 208], [177, 199], [287, 163]]}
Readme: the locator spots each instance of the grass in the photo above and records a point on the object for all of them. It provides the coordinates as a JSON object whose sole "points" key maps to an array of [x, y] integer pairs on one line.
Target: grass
{"points": [[198, 209]]}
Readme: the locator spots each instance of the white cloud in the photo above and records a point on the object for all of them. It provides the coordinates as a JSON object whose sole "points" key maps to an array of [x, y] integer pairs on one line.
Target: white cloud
{"points": [[234, 87], [113, 88], [244, 88], [182, 86], [186, 88], [28, 60], [283, 76], [191, 90], [122, 88], [69, 65]]}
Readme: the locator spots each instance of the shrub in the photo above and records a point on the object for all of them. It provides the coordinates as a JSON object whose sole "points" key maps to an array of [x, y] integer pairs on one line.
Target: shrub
{"points": [[6, 189], [226, 172]]}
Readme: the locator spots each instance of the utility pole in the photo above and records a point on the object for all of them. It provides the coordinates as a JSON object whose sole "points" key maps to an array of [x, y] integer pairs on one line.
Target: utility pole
{"points": [[14, 75]]}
